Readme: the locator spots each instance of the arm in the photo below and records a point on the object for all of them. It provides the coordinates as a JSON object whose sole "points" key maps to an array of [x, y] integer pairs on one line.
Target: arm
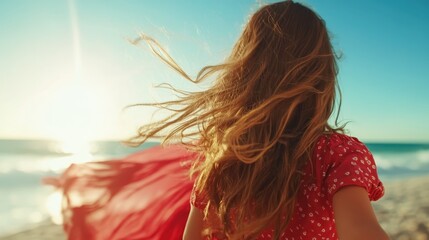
{"points": [[194, 225], [354, 215]]}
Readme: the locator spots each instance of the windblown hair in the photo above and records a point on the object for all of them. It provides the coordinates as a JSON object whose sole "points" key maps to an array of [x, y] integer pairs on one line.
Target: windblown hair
{"points": [[258, 123]]}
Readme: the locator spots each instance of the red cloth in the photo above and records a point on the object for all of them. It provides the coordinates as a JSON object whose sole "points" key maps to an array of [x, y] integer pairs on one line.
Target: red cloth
{"points": [[146, 195], [338, 161], [143, 196]]}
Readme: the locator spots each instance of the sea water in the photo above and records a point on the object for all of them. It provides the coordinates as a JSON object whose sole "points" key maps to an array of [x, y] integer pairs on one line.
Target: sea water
{"points": [[26, 202], [396, 161]]}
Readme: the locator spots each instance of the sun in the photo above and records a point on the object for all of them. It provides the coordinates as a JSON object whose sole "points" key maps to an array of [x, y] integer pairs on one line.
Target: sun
{"points": [[75, 146], [75, 111]]}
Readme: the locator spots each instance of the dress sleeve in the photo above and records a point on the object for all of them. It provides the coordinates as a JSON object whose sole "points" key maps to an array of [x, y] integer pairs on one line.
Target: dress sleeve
{"points": [[352, 164]]}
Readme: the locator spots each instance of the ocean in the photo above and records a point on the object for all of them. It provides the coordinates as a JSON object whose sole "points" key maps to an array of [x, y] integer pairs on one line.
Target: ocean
{"points": [[26, 202]]}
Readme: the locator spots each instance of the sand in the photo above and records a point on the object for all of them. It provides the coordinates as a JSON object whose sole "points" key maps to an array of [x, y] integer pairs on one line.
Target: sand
{"points": [[403, 212], [45, 231]]}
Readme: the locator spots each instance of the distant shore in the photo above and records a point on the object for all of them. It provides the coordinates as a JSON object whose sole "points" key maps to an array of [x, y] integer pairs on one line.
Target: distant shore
{"points": [[403, 212]]}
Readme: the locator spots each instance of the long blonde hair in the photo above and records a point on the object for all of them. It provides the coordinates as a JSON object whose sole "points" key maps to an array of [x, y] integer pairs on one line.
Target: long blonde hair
{"points": [[258, 123]]}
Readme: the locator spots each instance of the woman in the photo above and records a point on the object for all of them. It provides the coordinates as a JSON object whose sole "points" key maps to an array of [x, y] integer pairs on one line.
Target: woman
{"points": [[266, 162]]}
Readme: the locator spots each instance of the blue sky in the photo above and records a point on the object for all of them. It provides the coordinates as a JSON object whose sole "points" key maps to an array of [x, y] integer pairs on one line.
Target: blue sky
{"points": [[67, 69]]}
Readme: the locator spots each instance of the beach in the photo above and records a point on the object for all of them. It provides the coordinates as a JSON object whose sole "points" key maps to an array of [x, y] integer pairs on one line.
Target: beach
{"points": [[403, 212], [45, 231]]}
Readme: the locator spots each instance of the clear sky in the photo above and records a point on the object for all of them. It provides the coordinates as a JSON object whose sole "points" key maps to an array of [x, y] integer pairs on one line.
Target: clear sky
{"points": [[67, 70]]}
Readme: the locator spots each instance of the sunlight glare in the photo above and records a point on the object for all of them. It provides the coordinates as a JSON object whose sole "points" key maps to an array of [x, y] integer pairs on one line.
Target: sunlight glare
{"points": [[77, 150], [53, 206], [76, 147]]}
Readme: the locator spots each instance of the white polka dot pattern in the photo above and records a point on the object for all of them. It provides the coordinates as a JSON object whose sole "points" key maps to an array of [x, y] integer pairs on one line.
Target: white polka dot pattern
{"points": [[338, 161], [355, 167]]}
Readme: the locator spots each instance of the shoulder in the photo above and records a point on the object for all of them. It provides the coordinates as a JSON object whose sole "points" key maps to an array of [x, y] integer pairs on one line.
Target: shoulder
{"points": [[337, 145], [338, 140], [347, 161], [335, 149]]}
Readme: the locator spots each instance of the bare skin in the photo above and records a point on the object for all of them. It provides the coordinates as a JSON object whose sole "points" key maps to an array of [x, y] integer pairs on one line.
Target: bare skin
{"points": [[194, 225], [354, 217]]}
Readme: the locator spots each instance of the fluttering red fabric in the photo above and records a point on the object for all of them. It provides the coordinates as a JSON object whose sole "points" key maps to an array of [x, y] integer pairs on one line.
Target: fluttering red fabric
{"points": [[146, 195], [143, 196]]}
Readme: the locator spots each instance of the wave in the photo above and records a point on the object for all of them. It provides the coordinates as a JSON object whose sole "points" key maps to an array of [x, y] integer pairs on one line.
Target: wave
{"points": [[403, 164]]}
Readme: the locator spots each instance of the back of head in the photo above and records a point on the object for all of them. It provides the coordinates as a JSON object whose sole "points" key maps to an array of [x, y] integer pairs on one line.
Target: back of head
{"points": [[258, 123], [285, 56], [280, 80]]}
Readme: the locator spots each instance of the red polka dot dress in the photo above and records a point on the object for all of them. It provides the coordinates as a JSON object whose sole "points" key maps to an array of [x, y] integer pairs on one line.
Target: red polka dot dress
{"points": [[338, 161]]}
